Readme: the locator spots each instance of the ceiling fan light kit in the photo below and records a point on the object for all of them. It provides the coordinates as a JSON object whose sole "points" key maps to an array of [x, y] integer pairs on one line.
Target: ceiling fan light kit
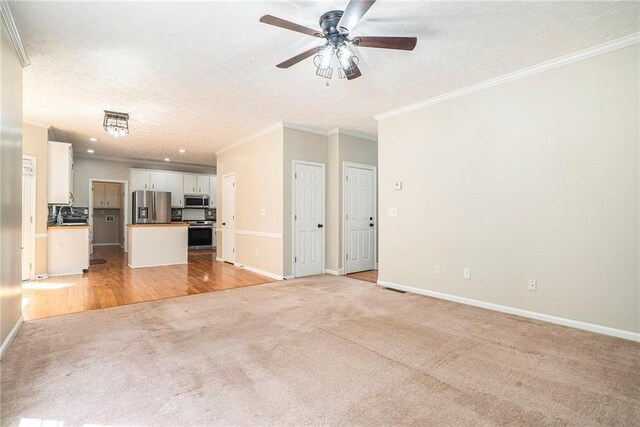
{"points": [[337, 52]]}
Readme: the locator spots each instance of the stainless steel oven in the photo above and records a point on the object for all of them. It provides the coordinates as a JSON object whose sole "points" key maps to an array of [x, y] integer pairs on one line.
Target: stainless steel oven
{"points": [[196, 201], [200, 235]]}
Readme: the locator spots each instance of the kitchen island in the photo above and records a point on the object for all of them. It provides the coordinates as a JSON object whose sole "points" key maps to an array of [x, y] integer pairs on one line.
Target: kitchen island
{"points": [[151, 245]]}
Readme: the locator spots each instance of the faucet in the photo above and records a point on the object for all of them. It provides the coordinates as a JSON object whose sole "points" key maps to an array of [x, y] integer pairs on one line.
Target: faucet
{"points": [[59, 217]]}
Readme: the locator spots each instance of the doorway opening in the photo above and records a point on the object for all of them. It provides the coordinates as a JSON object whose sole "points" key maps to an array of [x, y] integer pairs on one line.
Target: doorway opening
{"points": [[107, 215], [229, 218]]}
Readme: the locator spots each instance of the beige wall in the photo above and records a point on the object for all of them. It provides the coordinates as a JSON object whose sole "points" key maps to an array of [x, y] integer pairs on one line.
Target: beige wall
{"points": [[534, 179], [35, 143], [10, 185], [298, 145], [258, 166]]}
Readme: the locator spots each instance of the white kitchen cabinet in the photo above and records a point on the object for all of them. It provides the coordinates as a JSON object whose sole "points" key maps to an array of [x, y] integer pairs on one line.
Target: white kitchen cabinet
{"points": [[212, 191], [190, 184], [106, 195], [139, 180], [67, 249], [203, 184], [60, 175], [175, 184], [158, 181]]}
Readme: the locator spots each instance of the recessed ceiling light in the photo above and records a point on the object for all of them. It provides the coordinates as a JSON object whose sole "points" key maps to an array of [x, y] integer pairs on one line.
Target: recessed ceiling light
{"points": [[93, 139], [90, 151], [166, 159], [182, 150]]}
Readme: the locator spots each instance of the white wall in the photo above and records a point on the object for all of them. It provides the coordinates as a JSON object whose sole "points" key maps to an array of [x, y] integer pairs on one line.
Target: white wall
{"points": [[10, 185], [534, 179], [257, 165]]}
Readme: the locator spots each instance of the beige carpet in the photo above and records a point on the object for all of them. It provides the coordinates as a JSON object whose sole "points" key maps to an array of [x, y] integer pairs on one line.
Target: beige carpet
{"points": [[321, 351]]}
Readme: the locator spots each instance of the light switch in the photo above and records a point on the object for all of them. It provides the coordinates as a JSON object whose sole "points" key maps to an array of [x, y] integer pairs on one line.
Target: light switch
{"points": [[397, 185], [393, 211], [263, 212]]}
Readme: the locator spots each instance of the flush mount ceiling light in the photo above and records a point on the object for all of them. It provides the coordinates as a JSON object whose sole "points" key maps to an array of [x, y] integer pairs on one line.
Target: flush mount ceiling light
{"points": [[182, 150], [117, 124], [90, 151], [92, 139], [335, 27], [166, 159]]}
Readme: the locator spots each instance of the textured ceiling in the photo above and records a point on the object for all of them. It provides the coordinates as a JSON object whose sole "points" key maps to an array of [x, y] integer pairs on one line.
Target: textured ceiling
{"points": [[200, 75]]}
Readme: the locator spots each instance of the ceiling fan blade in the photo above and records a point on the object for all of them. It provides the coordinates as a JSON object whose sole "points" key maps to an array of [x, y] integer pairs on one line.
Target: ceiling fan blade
{"points": [[354, 11], [356, 74], [282, 23], [302, 56], [400, 43]]}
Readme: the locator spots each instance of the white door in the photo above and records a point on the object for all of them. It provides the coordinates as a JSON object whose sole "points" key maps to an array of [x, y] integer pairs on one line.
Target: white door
{"points": [[308, 219], [359, 218], [229, 218], [28, 218]]}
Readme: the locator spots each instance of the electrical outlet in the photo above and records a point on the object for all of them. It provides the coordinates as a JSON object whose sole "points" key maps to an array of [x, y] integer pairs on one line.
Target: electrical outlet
{"points": [[533, 285], [393, 211], [397, 186], [437, 269], [263, 212], [466, 273]]}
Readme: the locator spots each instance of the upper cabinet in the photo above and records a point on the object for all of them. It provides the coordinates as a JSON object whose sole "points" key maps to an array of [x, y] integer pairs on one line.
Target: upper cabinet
{"points": [[177, 183], [106, 195], [139, 180], [60, 174], [212, 191], [203, 184], [190, 184]]}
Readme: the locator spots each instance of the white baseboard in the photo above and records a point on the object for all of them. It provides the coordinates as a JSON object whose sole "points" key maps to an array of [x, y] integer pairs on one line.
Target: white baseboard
{"points": [[42, 276], [63, 274], [258, 271], [7, 342], [334, 272], [289, 277], [591, 327]]}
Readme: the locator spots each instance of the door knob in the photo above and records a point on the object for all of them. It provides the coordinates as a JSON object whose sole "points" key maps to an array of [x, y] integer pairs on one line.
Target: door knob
{"points": [[371, 225], [224, 223], [370, 218], [320, 225]]}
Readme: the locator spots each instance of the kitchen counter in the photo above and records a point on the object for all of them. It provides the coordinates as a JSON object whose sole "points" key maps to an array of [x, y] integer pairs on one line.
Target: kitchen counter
{"points": [[152, 245], [173, 224], [67, 249]]}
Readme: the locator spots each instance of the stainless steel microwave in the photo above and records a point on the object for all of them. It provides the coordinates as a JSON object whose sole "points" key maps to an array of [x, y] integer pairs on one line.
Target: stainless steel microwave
{"points": [[196, 201]]}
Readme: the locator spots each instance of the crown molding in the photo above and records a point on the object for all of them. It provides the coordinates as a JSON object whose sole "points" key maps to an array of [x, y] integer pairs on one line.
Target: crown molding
{"points": [[258, 134], [353, 134], [12, 29], [516, 75], [304, 128], [36, 123]]}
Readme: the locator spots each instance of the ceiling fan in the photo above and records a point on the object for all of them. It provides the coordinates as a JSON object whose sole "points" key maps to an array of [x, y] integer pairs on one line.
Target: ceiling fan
{"points": [[335, 26]]}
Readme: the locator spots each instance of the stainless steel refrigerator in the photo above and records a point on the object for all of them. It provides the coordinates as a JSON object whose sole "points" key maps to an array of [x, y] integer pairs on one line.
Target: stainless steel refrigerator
{"points": [[151, 207]]}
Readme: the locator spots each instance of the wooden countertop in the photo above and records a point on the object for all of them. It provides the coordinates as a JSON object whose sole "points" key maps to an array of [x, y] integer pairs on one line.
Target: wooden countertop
{"points": [[63, 227], [173, 224]]}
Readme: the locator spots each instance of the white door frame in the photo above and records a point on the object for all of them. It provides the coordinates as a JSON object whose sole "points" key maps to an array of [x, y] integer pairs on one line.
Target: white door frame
{"points": [[235, 200], [125, 207], [372, 168], [294, 163], [32, 269]]}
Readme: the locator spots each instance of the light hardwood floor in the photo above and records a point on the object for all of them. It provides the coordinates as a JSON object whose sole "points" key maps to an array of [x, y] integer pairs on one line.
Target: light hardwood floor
{"points": [[367, 276], [113, 284]]}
